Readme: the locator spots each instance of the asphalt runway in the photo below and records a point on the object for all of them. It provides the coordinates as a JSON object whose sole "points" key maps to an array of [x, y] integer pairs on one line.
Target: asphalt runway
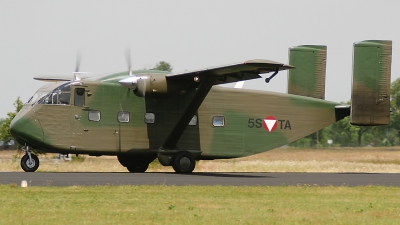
{"points": [[224, 179]]}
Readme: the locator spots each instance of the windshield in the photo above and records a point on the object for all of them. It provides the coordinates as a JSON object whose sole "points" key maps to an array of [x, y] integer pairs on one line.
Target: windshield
{"points": [[59, 96], [38, 95]]}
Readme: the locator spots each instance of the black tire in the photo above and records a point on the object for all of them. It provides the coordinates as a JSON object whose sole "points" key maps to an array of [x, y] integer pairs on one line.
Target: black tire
{"points": [[29, 166], [183, 162], [138, 168], [132, 160]]}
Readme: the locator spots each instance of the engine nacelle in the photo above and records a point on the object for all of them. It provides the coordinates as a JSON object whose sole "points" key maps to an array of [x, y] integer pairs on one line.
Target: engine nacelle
{"points": [[151, 85]]}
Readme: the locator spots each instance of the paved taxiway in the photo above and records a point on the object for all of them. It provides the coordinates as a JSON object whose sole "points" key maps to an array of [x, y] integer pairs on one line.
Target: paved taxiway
{"points": [[236, 179]]}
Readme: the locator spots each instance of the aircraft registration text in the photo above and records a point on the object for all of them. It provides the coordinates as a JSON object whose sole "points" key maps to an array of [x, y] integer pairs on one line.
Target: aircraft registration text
{"points": [[269, 123]]}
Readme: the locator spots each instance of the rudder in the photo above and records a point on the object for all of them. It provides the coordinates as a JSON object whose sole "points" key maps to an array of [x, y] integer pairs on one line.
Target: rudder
{"points": [[370, 94], [308, 77]]}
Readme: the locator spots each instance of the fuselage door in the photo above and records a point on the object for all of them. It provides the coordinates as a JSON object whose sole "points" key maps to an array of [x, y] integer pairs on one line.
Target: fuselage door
{"points": [[94, 125], [78, 118]]}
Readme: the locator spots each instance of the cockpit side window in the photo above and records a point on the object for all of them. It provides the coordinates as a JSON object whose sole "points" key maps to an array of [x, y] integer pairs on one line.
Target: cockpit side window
{"points": [[59, 96], [79, 96], [64, 95]]}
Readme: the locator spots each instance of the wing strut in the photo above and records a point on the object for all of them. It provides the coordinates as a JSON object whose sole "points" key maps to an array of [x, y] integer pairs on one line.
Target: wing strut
{"points": [[268, 79], [176, 133]]}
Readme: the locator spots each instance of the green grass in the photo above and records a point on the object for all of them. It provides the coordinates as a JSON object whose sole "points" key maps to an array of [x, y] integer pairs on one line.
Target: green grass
{"points": [[199, 205]]}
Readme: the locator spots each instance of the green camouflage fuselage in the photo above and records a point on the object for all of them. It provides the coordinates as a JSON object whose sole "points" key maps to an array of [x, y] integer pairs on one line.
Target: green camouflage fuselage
{"points": [[66, 128]]}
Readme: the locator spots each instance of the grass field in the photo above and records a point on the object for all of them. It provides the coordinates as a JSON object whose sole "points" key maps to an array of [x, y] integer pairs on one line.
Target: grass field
{"points": [[211, 204], [199, 205], [369, 160]]}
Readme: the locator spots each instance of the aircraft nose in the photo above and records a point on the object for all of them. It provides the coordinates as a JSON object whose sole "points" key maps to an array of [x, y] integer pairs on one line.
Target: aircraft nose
{"points": [[25, 128], [16, 128]]}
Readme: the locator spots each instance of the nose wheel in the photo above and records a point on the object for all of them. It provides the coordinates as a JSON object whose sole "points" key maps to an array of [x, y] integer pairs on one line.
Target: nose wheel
{"points": [[29, 162]]}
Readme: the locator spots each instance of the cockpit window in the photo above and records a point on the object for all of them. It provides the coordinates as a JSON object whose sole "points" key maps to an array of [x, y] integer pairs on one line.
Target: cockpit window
{"points": [[38, 95], [59, 96]]}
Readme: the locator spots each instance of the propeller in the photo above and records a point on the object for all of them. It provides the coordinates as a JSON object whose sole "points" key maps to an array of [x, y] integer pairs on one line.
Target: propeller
{"points": [[136, 83], [129, 63], [127, 81], [131, 80]]}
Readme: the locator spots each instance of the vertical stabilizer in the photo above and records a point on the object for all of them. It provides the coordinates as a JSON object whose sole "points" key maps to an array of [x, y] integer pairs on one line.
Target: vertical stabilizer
{"points": [[370, 94], [308, 77]]}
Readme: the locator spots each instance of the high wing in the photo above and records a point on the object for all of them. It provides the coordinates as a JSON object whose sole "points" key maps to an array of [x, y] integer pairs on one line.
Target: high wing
{"points": [[247, 70], [205, 79], [155, 84]]}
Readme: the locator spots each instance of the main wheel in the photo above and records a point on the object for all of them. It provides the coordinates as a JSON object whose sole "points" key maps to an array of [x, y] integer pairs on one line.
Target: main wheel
{"points": [[183, 162], [136, 163], [30, 165], [138, 168]]}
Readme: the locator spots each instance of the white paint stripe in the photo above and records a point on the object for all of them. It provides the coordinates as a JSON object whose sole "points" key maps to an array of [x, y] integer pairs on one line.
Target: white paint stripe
{"points": [[239, 84]]}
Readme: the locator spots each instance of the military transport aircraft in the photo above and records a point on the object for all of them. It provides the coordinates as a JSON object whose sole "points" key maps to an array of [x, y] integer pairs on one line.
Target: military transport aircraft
{"points": [[180, 118]]}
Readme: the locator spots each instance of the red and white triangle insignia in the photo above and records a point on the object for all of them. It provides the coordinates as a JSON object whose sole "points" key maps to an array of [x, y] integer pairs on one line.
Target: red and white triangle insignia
{"points": [[270, 124]]}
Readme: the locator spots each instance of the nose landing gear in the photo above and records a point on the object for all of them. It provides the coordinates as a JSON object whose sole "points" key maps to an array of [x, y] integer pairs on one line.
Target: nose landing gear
{"points": [[29, 162]]}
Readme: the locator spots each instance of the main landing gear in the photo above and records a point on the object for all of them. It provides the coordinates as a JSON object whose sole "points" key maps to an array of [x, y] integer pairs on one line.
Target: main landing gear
{"points": [[29, 162], [183, 162], [138, 168], [135, 164]]}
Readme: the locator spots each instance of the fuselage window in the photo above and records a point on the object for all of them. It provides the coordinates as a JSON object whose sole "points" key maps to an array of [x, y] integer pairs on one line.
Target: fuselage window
{"points": [[94, 115], [123, 116], [218, 121], [149, 118], [193, 121], [79, 96]]}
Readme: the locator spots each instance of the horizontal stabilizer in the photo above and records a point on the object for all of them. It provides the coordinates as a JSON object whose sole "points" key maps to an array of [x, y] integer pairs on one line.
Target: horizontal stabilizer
{"points": [[370, 96]]}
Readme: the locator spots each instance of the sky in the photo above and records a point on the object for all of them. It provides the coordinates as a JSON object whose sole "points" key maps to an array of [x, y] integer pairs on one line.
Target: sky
{"points": [[43, 37]]}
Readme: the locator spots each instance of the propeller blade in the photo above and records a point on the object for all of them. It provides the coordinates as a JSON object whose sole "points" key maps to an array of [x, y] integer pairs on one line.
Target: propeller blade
{"points": [[144, 89], [126, 95], [128, 59], [78, 61]]}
